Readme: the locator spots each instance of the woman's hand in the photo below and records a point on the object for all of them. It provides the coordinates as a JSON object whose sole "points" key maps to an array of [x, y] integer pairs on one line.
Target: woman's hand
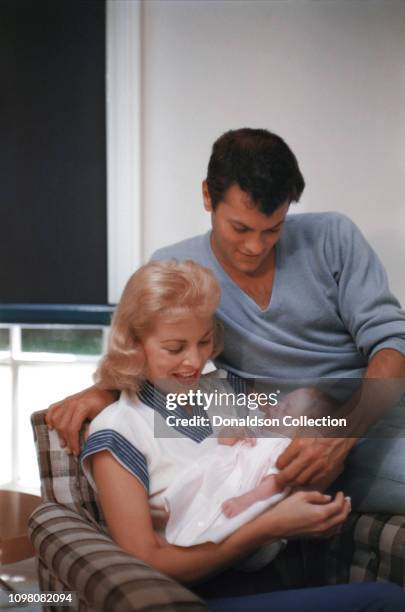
{"points": [[305, 513], [68, 415]]}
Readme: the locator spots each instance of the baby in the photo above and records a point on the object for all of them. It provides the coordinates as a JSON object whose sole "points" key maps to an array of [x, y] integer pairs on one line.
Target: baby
{"points": [[266, 488], [307, 401], [235, 481]]}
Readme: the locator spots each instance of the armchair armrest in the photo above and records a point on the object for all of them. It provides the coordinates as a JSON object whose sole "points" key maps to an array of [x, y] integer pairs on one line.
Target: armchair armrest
{"points": [[104, 576]]}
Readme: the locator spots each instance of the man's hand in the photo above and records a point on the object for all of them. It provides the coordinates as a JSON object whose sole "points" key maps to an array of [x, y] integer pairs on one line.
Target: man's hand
{"points": [[318, 461], [68, 416], [312, 461]]}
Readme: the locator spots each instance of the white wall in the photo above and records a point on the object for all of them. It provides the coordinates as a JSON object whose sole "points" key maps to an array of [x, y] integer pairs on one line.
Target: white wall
{"points": [[328, 76]]}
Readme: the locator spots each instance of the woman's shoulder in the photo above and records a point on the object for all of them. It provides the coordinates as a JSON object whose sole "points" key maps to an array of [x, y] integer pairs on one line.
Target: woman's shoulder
{"points": [[120, 430], [216, 379], [123, 416], [211, 372]]}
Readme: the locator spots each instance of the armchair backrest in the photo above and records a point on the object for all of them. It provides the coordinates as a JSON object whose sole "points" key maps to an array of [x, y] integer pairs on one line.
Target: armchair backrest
{"points": [[62, 479]]}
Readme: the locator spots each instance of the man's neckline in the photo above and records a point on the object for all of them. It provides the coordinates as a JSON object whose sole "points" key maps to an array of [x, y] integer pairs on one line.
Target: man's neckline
{"points": [[233, 281]]}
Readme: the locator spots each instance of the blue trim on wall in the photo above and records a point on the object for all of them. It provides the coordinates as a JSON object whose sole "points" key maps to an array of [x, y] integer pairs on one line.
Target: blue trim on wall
{"points": [[75, 314]]}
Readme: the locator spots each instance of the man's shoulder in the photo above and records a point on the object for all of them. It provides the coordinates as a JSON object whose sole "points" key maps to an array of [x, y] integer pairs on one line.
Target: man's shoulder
{"points": [[192, 248], [318, 228], [316, 221]]}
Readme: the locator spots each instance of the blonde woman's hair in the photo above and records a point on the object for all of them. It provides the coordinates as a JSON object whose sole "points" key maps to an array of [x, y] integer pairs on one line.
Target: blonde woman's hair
{"points": [[169, 288]]}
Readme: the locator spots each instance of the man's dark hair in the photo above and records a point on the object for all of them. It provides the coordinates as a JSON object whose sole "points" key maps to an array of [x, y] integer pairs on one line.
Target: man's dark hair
{"points": [[260, 163]]}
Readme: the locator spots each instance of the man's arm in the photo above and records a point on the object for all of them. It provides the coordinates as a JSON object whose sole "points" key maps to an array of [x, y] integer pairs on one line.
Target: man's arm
{"points": [[386, 364], [68, 415], [374, 319], [318, 461]]}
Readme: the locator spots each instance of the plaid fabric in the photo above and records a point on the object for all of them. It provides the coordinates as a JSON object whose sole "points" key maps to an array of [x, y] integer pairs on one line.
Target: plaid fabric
{"points": [[371, 547], [62, 479], [104, 576], [74, 550]]}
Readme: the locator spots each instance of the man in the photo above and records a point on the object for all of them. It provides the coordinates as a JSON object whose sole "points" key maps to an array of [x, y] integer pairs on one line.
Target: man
{"points": [[303, 296]]}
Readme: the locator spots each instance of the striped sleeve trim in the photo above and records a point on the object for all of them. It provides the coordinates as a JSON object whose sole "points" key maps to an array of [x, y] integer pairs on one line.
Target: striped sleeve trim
{"points": [[125, 453]]}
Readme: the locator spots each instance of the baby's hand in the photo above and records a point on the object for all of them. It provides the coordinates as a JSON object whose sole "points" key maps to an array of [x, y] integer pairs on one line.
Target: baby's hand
{"points": [[229, 436]]}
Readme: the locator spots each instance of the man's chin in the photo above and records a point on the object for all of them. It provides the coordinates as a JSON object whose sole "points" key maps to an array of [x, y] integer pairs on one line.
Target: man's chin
{"points": [[248, 267]]}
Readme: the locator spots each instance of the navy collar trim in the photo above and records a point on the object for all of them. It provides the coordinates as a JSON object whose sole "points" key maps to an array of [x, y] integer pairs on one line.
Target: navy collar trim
{"points": [[156, 399]]}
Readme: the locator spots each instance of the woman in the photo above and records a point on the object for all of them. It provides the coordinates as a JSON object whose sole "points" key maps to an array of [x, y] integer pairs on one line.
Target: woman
{"points": [[162, 335]]}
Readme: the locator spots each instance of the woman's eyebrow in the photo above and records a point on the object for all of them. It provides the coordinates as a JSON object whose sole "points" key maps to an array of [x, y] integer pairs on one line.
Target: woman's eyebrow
{"points": [[207, 333]]}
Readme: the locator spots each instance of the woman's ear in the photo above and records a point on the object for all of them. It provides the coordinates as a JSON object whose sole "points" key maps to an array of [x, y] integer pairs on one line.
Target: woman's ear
{"points": [[206, 197]]}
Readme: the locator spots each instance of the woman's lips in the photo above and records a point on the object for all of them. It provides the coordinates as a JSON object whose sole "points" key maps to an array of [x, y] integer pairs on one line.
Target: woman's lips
{"points": [[188, 379], [190, 375]]}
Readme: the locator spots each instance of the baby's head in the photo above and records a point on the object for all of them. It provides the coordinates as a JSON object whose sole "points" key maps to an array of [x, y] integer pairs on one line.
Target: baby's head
{"points": [[163, 327]]}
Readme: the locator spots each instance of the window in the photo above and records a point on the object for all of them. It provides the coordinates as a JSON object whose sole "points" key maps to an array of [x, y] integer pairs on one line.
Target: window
{"points": [[39, 364]]}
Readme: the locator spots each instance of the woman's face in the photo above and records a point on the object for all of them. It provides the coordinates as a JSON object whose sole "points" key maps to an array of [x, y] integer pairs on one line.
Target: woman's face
{"points": [[177, 349]]}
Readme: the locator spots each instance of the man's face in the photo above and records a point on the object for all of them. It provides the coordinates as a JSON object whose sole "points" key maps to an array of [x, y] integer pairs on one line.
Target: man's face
{"points": [[242, 236]]}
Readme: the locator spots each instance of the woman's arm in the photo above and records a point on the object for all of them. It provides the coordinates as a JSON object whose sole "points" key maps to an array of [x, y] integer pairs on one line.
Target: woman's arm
{"points": [[126, 509]]}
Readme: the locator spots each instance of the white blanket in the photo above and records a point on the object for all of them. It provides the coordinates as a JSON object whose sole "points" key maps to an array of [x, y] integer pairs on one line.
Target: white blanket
{"points": [[194, 500]]}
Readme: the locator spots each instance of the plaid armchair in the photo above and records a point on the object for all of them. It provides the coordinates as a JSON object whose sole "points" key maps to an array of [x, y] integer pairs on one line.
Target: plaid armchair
{"points": [[75, 552]]}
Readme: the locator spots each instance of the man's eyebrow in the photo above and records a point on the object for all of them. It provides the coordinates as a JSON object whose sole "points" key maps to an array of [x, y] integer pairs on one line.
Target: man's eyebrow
{"points": [[277, 225], [241, 224], [236, 222]]}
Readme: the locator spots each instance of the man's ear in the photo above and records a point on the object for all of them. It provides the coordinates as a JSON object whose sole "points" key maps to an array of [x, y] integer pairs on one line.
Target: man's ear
{"points": [[206, 197]]}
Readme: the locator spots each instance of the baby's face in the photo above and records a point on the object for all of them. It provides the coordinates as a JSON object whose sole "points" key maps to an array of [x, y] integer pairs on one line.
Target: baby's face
{"points": [[177, 349]]}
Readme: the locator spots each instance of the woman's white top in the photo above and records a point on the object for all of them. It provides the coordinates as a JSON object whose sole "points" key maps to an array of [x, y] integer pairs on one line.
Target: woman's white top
{"points": [[183, 469]]}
